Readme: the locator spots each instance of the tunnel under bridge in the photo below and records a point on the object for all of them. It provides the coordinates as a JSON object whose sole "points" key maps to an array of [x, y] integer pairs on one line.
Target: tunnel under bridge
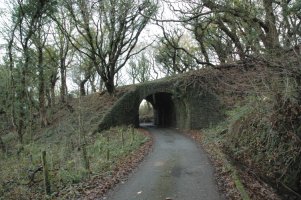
{"points": [[174, 105]]}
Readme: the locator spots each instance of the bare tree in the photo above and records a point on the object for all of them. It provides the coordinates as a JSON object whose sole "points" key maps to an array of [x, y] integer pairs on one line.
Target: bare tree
{"points": [[140, 68], [39, 40], [242, 28], [109, 32], [82, 71], [26, 15], [64, 48]]}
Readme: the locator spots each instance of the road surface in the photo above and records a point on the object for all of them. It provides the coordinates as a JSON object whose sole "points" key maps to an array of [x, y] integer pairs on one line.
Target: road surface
{"points": [[176, 169]]}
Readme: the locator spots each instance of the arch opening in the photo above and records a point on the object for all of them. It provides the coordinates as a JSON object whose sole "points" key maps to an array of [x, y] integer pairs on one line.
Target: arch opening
{"points": [[164, 114], [146, 113]]}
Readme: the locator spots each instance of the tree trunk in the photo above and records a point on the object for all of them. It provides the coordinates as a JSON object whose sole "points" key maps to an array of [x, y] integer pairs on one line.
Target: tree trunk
{"points": [[270, 20], [287, 27], [82, 85], [220, 53], [204, 52], [63, 88], [42, 102], [12, 85], [92, 83], [2, 146], [110, 85], [82, 88], [232, 35], [100, 84], [53, 81], [200, 38], [52, 94], [22, 97], [48, 97]]}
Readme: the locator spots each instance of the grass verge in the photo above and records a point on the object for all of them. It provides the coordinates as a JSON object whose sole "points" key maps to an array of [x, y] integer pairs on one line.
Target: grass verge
{"points": [[233, 181], [69, 167]]}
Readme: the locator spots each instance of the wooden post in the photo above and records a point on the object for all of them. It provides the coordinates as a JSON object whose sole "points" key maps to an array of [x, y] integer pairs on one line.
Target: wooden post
{"points": [[122, 136], [85, 159], [108, 148], [133, 134], [46, 174]]}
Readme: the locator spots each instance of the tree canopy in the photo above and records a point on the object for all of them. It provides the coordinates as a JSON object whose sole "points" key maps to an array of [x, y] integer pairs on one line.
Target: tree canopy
{"points": [[95, 44]]}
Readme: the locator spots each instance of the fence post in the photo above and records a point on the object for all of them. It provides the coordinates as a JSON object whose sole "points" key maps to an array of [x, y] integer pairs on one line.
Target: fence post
{"points": [[86, 159], [133, 134], [108, 148], [122, 136], [46, 174]]}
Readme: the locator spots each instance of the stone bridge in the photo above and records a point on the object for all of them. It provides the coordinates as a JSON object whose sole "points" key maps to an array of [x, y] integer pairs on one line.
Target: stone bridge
{"points": [[175, 103]]}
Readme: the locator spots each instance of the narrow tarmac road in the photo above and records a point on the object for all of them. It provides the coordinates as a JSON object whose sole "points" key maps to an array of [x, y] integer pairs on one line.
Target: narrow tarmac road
{"points": [[177, 169]]}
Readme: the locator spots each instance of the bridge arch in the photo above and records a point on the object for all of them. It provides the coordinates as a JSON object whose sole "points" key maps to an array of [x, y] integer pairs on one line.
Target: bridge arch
{"points": [[186, 108], [164, 109], [170, 108]]}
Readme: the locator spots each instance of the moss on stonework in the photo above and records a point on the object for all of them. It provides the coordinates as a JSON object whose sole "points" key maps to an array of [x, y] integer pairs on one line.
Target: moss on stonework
{"points": [[191, 105]]}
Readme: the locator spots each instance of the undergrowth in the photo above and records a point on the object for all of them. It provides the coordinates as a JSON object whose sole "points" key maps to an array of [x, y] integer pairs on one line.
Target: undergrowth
{"points": [[227, 176], [264, 135], [22, 178]]}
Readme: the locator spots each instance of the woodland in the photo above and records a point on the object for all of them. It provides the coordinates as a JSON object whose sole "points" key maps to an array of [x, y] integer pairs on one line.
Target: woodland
{"points": [[63, 62]]}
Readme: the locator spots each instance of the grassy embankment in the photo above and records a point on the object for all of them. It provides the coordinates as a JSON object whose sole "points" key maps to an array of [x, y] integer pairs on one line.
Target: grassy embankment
{"points": [[259, 142], [74, 155]]}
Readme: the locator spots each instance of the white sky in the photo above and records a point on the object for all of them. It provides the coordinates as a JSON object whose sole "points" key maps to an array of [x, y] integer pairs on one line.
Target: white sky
{"points": [[2, 4], [147, 36]]}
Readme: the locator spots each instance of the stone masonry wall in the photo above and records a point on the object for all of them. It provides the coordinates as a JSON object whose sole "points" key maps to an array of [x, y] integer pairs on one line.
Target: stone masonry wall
{"points": [[194, 107]]}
